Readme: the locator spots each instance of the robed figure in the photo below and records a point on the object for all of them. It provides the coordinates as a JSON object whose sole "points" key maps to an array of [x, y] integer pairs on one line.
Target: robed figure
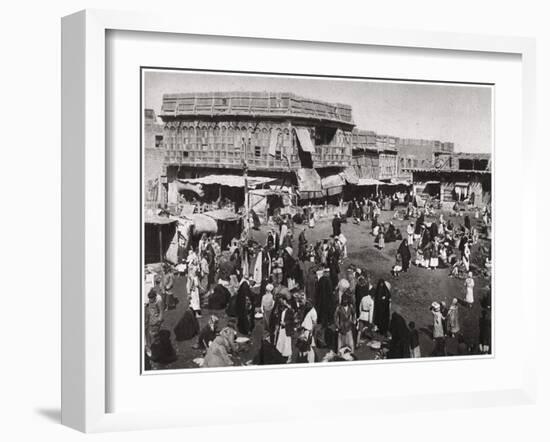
{"points": [[382, 299], [405, 254], [244, 309], [325, 301], [400, 338]]}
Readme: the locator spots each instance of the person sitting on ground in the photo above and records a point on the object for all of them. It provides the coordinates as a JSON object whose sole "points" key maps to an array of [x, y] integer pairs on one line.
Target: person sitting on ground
{"points": [[207, 334]]}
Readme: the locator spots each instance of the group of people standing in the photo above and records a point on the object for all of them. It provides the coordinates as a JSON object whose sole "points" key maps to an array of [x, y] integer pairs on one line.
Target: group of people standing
{"points": [[302, 300]]}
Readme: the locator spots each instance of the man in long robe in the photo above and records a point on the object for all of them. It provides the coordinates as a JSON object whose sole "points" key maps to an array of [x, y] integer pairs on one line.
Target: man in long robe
{"points": [[382, 299], [336, 226], [405, 254]]}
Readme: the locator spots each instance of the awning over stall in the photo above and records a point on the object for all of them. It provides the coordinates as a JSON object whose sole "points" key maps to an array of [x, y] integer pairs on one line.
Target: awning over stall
{"points": [[369, 182], [305, 139], [223, 215], [350, 175], [228, 180]]}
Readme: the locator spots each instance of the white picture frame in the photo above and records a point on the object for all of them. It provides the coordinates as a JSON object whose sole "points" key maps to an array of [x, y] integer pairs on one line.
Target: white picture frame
{"points": [[85, 349]]}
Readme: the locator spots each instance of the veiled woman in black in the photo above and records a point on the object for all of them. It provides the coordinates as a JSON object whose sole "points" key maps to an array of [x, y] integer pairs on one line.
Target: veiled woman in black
{"points": [[382, 300], [400, 340], [405, 254], [325, 302], [244, 309], [419, 223]]}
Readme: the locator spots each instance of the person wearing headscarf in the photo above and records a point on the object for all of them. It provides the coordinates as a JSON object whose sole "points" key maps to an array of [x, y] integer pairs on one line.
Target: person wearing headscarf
{"points": [[268, 353], [419, 224], [467, 223], [218, 353], [282, 234], [410, 234], [194, 296], [389, 235], [267, 305], [365, 307], [204, 272], [485, 332], [310, 278], [469, 284], [187, 327], [466, 257], [308, 324], [336, 225], [302, 245], [343, 288], [285, 329], [400, 337], [405, 254], [244, 308], [289, 268], [333, 261], [220, 296], [352, 279], [382, 301], [207, 333], [453, 320], [434, 230], [162, 351], [344, 320], [324, 300], [438, 330], [154, 316]]}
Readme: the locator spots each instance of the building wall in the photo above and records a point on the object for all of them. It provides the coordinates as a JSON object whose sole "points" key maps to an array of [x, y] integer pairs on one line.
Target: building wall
{"points": [[226, 143], [420, 153]]}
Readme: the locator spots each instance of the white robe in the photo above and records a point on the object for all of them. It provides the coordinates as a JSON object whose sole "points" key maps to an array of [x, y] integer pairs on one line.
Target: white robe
{"points": [[257, 276]]}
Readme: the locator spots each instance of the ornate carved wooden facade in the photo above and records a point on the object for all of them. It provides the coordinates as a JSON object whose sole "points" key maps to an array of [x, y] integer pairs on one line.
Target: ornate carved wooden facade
{"points": [[224, 131]]}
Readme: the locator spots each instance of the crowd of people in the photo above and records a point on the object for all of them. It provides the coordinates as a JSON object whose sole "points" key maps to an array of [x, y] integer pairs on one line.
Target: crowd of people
{"points": [[304, 299]]}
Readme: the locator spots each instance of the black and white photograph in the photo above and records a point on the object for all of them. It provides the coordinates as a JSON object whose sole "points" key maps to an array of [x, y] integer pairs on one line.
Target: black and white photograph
{"points": [[293, 219]]}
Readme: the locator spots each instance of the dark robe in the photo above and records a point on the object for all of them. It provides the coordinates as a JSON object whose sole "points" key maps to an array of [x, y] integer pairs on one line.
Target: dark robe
{"points": [[219, 298], [325, 301], [162, 351], [434, 230], [389, 236], [302, 245], [310, 280], [333, 265], [336, 226], [485, 331], [461, 244], [400, 339], [405, 254], [187, 327], [243, 306], [381, 315], [467, 223], [419, 222], [206, 336], [268, 355], [426, 238], [289, 268], [255, 220]]}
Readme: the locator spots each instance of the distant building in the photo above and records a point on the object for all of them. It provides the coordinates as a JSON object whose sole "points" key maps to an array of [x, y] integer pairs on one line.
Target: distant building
{"points": [[462, 161], [374, 156], [415, 153]]}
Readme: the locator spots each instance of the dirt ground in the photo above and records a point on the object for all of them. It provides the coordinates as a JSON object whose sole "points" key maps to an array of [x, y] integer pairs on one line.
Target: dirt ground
{"points": [[412, 292]]}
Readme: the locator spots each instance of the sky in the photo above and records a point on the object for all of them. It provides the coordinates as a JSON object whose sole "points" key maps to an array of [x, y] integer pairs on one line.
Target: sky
{"points": [[447, 112]]}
